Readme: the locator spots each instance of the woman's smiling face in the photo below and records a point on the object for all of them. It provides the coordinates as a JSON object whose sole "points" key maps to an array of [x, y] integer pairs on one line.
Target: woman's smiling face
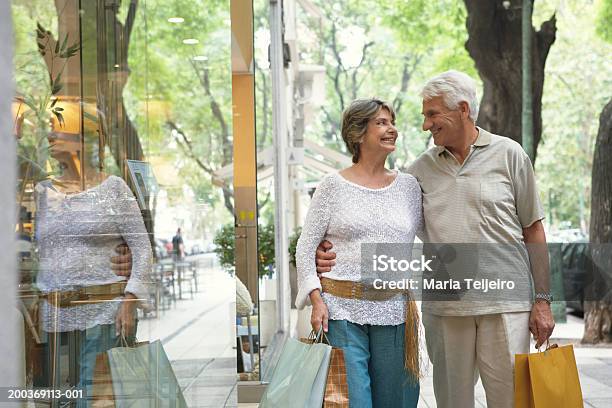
{"points": [[381, 133]]}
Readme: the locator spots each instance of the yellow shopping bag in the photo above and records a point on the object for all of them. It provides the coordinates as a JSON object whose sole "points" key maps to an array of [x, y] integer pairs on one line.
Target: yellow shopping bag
{"points": [[547, 380]]}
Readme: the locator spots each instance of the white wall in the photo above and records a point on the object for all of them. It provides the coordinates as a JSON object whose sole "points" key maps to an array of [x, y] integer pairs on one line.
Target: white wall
{"points": [[10, 347]]}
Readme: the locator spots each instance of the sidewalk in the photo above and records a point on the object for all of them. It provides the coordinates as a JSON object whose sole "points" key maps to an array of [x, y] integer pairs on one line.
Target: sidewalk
{"points": [[594, 366], [197, 336], [594, 363]]}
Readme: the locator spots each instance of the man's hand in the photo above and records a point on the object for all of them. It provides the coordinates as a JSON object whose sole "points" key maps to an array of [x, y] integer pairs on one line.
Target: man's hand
{"points": [[125, 321], [122, 263], [320, 314], [325, 260], [541, 322]]}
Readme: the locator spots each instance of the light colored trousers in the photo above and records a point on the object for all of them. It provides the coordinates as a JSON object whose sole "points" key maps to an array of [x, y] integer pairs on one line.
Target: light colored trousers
{"points": [[462, 347]]}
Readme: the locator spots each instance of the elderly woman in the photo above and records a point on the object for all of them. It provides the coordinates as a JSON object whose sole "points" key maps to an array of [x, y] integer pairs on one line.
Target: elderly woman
{"points": [[365, 203], [84, 293]]}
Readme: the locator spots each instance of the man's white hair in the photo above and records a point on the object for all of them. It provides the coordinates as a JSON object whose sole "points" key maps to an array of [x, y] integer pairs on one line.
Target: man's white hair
{"points": [[454, 87]]}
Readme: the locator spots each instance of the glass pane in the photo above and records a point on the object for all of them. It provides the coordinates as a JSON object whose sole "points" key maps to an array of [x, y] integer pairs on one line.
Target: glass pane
{"points": [[267, 275], [244, 181], [124, 126]]}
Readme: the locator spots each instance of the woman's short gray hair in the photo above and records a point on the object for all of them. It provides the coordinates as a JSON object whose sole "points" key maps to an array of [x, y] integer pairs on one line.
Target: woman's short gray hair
{"points": [[454, 87], [355, 120]]}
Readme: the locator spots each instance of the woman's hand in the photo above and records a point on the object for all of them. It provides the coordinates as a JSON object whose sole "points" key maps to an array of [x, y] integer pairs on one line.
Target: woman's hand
{"points": [[320, 314], [125, 321]]}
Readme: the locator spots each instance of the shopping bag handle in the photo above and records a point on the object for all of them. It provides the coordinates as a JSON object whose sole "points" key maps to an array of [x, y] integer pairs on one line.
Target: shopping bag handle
{"points": [[319, 336], [548, 346], [123, 341]]}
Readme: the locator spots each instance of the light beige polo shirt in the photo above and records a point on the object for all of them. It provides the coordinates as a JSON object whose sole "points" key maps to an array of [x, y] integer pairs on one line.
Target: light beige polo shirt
{"points": [[489, 199]]}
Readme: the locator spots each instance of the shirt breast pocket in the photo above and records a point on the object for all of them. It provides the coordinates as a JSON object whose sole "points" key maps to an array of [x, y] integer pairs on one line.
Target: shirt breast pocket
{"points": [[497, 198]]}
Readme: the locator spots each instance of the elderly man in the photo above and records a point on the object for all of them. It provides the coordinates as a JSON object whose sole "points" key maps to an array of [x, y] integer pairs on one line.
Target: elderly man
{"points": [[477, 188]]}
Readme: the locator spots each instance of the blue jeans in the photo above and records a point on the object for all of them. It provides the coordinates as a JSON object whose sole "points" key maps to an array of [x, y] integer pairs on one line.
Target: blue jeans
{"points": [[374, 358], [94, 340]]}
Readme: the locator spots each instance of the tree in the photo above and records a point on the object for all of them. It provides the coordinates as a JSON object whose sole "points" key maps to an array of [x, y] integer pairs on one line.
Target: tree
{"points": [[382, 54], [156, 83], [109, 55], [225, 240], [432, 34], [598, 312], [185, 100], [575, 91], [350, 50], [495, 45]]}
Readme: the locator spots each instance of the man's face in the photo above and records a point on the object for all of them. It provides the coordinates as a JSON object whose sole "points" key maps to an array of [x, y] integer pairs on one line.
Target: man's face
{"points": [[444, 124]]}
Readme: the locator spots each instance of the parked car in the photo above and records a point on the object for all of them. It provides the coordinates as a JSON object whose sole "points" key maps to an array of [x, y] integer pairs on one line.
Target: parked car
{"points": [[167, 245], [160, 249], [574, 263]]}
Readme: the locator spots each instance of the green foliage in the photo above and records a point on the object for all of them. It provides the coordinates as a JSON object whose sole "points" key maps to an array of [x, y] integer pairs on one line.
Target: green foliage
{"points": [[57, 54], [433, 34], [385, 50], [224, 247], [577, 86], [170, 100], [224, 242], [165, 84], [425, 37], [265, 249], [425, 26], [33, 145], [37, 89], [604, 20]]}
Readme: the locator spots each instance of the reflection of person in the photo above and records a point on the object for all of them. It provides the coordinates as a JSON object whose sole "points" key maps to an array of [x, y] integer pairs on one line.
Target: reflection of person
{"points": [[477, 187], [244, 308], [361, 204], [177, 245], [76, 236]]}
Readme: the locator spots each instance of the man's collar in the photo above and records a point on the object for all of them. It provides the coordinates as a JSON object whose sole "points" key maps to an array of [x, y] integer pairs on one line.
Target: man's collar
{"points": [[483, 139]]}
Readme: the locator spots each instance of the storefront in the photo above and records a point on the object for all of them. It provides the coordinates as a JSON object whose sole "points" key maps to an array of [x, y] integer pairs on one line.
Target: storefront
{"points": [[148, 163], [122, 120]]}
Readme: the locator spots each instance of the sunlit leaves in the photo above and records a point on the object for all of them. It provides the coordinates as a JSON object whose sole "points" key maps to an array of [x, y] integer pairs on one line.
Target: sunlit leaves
{"points": [[576, 88], [165, 86], [604, 20]]}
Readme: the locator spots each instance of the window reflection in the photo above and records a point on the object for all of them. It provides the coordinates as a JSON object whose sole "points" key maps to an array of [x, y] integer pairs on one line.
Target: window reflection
{"points": [[122, 125]]}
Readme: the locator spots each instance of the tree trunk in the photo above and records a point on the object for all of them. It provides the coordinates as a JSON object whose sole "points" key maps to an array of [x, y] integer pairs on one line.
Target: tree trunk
{"points": [[98, 72], [112, 71], [598, 308], [494, 43]]}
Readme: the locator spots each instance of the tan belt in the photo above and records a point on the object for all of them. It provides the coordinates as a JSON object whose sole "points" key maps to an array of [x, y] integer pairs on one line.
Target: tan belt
{"points": [[86, 295], [357, 290]]}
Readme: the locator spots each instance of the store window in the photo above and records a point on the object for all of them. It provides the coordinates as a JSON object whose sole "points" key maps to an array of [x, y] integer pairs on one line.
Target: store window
{"points": [[123, 121]]}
